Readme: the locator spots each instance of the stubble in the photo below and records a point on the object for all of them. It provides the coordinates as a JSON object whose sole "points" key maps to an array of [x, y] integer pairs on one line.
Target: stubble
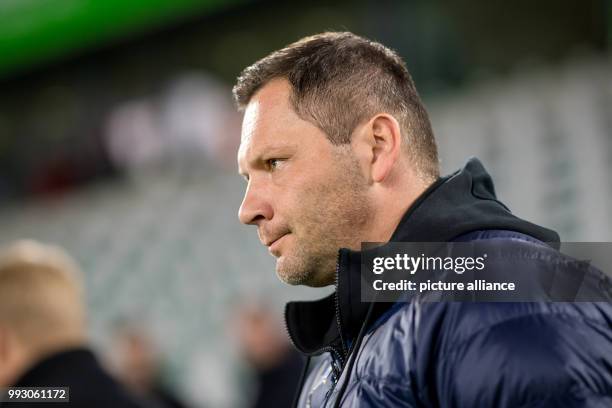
{"points": [[333, 214]]}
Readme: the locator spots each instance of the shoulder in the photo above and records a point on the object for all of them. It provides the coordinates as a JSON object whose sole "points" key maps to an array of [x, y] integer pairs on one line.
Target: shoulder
{"points": [[494, 354], [511, 354]]}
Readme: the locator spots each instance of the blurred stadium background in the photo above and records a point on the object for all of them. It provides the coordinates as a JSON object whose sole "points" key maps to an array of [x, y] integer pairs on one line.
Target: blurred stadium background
{"points": [[118, 138]]}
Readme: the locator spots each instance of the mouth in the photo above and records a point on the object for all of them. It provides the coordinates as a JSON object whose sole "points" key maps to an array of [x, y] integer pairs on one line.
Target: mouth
{"points": [[273, 245]]}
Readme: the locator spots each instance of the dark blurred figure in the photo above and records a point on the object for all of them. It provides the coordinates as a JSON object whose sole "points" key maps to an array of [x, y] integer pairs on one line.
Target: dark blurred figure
{"points": [[43, 340], [265, 346], [138, 366]]}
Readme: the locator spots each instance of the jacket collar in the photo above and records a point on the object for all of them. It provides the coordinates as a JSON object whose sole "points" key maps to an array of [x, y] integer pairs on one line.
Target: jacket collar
{"points": [[454, 205], [63, 363]]}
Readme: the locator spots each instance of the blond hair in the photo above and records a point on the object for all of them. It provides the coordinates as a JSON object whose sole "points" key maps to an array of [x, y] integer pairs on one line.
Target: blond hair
{"points": [[41, 296]]}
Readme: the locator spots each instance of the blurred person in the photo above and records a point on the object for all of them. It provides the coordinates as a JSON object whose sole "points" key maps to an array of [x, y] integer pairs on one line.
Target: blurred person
{"points": [[178, 126], [43, 340], [138, 367], [276, 365], [337, 149]]}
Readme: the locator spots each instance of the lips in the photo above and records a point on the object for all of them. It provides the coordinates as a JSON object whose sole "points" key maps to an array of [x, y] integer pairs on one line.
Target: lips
{"points": [[265, 234], [271, 242], [273, 245]]}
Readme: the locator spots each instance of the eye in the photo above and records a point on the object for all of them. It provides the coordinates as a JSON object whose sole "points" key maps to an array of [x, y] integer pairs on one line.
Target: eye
{"points": [[274, 163]]}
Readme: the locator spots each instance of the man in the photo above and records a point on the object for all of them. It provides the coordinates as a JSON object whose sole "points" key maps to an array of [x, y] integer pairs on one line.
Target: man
{"points": [[274, 363], [43, 340], [337, 149], [139, 366]]}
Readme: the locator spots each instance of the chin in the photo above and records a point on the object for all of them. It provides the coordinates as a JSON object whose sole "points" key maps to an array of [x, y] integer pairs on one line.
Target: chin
{"points": [[284, 275], [290, 273], [296, 276]]}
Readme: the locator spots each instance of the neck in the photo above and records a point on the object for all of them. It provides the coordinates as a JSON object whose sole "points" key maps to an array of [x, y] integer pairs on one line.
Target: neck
{"points": [[391, 207]]}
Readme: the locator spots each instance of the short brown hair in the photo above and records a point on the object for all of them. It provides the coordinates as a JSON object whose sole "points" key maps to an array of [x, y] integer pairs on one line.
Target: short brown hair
{"points": [[340, 80]]}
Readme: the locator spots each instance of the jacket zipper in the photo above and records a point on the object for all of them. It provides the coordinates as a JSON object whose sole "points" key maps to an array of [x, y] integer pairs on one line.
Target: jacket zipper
{"points": [[337, 306], [341, 354]]}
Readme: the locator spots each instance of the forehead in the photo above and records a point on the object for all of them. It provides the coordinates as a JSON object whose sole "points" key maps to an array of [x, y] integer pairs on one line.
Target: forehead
{"points": [[270, 121]]}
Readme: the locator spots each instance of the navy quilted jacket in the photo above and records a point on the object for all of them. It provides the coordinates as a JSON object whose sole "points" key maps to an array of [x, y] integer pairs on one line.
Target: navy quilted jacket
{"points": [[452, 354]]}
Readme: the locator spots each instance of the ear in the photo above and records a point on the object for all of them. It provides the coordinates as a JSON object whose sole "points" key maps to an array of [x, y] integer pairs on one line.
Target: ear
{"points": [[11, 358], [380, 141], [4, 356], [5, 344]]}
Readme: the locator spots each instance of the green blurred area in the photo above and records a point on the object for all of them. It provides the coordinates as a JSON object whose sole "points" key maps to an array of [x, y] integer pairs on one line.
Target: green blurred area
{"points": [[65, 65], [443, 42], [34, 31]]}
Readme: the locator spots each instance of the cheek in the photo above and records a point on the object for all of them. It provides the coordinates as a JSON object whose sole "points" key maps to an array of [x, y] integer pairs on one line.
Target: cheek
{"points": [[316, 215], [312, 201], [304, 202]]}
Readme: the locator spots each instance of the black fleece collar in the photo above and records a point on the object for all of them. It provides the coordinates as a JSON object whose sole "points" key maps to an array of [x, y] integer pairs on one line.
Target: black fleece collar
{"points": [[452, 206], [59, 366]]}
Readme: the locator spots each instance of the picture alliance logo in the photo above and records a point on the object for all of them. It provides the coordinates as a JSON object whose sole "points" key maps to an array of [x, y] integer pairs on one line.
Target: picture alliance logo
{"points": [[412, 264]]}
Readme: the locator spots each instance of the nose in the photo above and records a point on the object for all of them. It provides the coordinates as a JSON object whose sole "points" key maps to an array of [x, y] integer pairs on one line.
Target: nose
{"points": [[255, 207]]}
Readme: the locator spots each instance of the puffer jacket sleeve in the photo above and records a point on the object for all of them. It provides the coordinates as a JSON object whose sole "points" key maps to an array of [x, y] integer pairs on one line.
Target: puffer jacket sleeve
{"points": [[536, 360]]}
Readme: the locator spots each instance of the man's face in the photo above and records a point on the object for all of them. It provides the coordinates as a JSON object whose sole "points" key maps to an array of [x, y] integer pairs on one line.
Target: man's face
{"points": [[307, 197]]}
